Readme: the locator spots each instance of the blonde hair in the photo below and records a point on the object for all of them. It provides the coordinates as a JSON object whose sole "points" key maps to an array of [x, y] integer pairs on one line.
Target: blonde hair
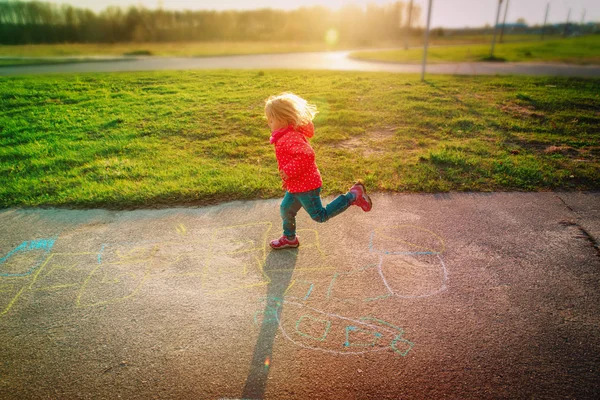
{"points": [[289, 108]]}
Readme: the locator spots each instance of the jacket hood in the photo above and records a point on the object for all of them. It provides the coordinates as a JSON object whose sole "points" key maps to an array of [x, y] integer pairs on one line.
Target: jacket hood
{"points": [[307, 130]]}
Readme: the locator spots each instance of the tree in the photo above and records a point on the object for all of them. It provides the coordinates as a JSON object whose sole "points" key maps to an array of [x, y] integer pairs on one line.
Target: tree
{"points": [[521, 21]]}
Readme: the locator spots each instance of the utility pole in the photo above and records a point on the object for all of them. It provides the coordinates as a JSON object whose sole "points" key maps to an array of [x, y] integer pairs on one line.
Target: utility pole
{"points": [[504, 21], [426, 41], [567, 23], [582, 17], [545, 20], [495, 29], [408, 21]]}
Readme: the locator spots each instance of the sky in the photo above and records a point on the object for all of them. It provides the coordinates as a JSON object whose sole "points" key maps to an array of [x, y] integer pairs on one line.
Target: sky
{"points": [[445, 13]]}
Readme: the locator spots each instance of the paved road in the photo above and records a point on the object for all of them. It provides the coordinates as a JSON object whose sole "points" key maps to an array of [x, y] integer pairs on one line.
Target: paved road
{"points": [[318, 60], [428, 296]]}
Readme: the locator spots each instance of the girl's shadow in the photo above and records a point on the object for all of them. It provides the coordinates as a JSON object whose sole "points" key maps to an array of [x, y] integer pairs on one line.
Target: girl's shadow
{"points": [[279, 267]]}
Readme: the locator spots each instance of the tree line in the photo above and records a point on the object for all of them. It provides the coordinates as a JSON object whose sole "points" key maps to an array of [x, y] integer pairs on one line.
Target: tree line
{"points": [[40, 22]]}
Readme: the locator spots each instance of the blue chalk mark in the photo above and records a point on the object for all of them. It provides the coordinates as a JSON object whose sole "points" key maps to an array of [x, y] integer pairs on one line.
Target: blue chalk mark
{"points": [[348, 329], [100, 253], [310, 289], [308, 292], [40, 244], [400, 339], [351, 328]]}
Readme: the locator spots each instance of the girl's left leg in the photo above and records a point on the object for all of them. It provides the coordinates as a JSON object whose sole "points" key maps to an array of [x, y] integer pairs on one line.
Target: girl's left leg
{"points": [[311, 201]]}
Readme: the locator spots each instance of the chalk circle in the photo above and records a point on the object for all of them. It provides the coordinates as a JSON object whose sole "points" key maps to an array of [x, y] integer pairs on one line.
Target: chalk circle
{"points": [[413, 276], [406, 239]]}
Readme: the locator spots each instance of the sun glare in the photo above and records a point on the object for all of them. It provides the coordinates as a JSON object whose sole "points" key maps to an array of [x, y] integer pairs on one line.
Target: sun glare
{"points": [[331, 37]]}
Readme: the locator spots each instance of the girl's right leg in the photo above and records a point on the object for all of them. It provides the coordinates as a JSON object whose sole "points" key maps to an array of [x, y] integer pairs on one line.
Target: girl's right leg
{"points": [[288, 209], [290, 205]]}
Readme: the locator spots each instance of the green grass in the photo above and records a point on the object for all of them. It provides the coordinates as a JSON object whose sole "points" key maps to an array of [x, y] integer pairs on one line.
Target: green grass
{"points": [[582, 50], [173, 138], [203, 49], [180, 49], [6, 62]]}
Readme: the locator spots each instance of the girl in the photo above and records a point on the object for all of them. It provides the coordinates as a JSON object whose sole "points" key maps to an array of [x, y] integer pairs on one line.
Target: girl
{"points": [[290, 119]]}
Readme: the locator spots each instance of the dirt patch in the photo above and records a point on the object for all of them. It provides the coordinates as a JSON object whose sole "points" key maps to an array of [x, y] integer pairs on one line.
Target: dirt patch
{"points": [[564, 150], [519, 111], [372, 142]]}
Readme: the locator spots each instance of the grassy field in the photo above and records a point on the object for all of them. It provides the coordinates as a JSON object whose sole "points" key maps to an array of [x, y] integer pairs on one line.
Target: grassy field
{"points": [[581, 50], [172, 138], [49, 61], [203, 49], [180, 49]]}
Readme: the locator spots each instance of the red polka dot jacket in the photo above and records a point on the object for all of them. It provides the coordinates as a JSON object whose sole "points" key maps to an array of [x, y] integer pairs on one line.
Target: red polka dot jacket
{"points": [[296, 158]]}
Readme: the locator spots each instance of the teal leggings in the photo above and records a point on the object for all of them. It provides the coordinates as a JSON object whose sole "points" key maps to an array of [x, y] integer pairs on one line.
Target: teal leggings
{"points": [[311, 202]]}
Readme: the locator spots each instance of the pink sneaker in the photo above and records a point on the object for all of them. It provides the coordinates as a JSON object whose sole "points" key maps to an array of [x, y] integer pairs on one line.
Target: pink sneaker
{"points": [[362, 199], [283, 243]]}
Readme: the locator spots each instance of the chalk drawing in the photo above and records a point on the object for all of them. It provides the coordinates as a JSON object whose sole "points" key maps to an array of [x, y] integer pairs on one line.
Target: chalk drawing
{"points": [[312, 322], [236, 258], [407, 263], [299, 289], [333, 332], [409, 278], [181, 229], [33, 251], [410, 262], [270, 313], [63, 270], [119, 276], [10, 291], [372, 336], [17, 267], [399, 342]]}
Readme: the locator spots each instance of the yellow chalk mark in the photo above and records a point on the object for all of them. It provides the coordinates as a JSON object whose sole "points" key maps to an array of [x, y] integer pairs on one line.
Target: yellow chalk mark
{"points": [[317, 243], [135, 255], [50, 257], [13, 301], [289, 287], [441, 241], [181, 230], [110, 301], [146, 276], [260, 260]]}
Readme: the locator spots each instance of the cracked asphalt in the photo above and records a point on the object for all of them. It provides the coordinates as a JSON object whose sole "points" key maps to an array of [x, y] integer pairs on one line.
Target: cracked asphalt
{"points": [[455, 295]]}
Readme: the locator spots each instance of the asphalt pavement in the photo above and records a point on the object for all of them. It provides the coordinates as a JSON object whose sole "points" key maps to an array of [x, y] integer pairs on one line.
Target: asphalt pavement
{"points": [[337, 61], [457, 296]]}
